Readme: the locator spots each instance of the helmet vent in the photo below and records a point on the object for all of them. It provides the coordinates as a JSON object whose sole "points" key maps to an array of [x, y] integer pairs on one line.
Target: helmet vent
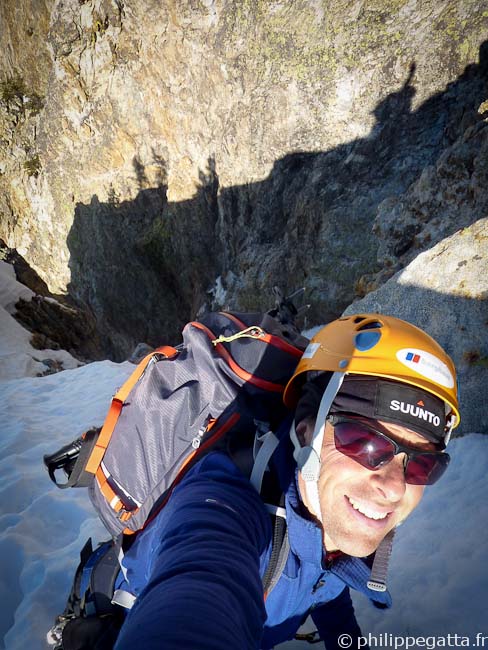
{"points": [[370, 326], [366, 340]]}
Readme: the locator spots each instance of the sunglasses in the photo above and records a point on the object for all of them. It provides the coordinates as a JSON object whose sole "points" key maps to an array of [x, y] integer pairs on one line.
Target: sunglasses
{"points": [[373, 449]]}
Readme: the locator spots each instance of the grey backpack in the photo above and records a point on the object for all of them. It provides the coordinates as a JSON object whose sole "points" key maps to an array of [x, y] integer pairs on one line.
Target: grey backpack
{"points": [[221, 388]]}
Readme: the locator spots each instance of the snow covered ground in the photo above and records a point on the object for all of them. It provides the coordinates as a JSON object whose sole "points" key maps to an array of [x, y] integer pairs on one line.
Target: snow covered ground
{"points": [[439, 568]]}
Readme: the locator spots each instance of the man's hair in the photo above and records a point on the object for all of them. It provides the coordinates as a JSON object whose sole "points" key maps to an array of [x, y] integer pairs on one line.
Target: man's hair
{"points": [[312, 392]]}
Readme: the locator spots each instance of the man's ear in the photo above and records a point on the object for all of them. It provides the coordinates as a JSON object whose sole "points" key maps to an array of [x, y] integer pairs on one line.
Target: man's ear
{"points": [[304, 430]]}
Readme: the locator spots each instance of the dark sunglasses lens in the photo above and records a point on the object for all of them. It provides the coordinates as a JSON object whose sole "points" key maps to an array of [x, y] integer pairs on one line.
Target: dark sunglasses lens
{"points": [[372, 451], [426, 469], [363, 445]]}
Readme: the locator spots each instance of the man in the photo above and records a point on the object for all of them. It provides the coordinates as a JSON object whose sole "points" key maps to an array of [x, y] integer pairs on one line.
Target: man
{"points": [[375, 402]]}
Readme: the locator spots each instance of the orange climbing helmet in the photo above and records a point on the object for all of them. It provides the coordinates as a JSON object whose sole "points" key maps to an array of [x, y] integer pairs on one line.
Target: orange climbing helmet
{"points": [[379, 346]]}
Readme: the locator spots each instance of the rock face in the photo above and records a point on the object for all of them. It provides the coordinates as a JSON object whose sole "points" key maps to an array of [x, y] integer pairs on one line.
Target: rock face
{"points": [[448, 196], [55, 324], [445, 292], [18, 358], [160, 156]]}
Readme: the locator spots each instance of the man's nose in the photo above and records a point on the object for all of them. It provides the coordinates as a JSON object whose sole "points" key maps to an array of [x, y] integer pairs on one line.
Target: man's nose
{"points": [[390, 479]]}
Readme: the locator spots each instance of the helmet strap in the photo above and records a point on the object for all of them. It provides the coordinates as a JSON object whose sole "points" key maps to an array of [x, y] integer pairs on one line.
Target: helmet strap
{"points": [[296, 443], [308, 458], [313, 499], [310, 455]]}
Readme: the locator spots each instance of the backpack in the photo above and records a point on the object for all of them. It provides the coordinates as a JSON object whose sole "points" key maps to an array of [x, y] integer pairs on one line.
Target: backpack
{"points": [[221, 388]]}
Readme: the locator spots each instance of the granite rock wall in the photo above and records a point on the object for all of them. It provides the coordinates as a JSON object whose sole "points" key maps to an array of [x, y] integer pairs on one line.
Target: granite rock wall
{"points": [[161, 157]]}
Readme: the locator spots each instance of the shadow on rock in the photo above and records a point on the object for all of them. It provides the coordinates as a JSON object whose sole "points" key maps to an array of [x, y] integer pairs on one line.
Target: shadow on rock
{"points": [[147, 266]]}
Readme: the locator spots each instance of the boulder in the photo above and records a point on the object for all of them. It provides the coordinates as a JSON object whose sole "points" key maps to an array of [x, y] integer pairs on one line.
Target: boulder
{"points": [[444, 291]]}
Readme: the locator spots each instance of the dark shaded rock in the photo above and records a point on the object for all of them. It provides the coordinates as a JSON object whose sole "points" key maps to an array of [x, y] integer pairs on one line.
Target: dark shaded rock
{"points": [[449, 195], [141, 350], [56, 322], [24, 273], [53, 366], [57, 326]]}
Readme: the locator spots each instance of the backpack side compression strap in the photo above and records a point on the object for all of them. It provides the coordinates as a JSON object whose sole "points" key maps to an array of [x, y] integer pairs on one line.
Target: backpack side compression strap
{"points": [[116, 407]]}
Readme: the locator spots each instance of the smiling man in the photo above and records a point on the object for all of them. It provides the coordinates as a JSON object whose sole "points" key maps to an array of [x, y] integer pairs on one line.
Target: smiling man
{"points": [[375, 458], [361, 506], [374, 401]]}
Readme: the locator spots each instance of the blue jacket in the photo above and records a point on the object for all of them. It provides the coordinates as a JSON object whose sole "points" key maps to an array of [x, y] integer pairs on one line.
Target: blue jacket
{"points": [[196, 571]]}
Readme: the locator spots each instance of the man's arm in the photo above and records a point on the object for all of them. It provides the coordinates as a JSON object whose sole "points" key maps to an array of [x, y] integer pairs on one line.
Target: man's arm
{"points": [[336, 618], [204, 589]]}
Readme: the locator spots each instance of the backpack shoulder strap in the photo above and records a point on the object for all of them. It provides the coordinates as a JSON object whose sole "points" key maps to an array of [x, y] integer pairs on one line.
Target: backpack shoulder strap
{"points": [[116, 406], [272, 494], [264, 447], [279, 550], [80, 459]]}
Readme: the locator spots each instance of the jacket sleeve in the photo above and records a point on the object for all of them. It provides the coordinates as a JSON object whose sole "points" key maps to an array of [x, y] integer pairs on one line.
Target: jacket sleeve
{"points": [[204, 589], [336, 618]]}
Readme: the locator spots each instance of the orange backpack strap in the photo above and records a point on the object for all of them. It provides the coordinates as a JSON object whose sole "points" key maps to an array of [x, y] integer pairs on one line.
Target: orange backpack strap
{"points": [[118, 400]]}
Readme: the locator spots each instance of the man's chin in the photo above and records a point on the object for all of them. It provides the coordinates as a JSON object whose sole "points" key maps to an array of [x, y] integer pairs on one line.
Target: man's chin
{"points": [[356, 547]]}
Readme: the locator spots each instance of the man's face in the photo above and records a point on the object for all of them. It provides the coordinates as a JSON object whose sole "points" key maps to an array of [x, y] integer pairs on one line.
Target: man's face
{"points": [[360, 506]]}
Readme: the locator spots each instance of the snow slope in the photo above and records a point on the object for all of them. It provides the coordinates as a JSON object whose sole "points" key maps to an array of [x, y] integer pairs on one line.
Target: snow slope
{"points": [[42, 528], [439, 567]]}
